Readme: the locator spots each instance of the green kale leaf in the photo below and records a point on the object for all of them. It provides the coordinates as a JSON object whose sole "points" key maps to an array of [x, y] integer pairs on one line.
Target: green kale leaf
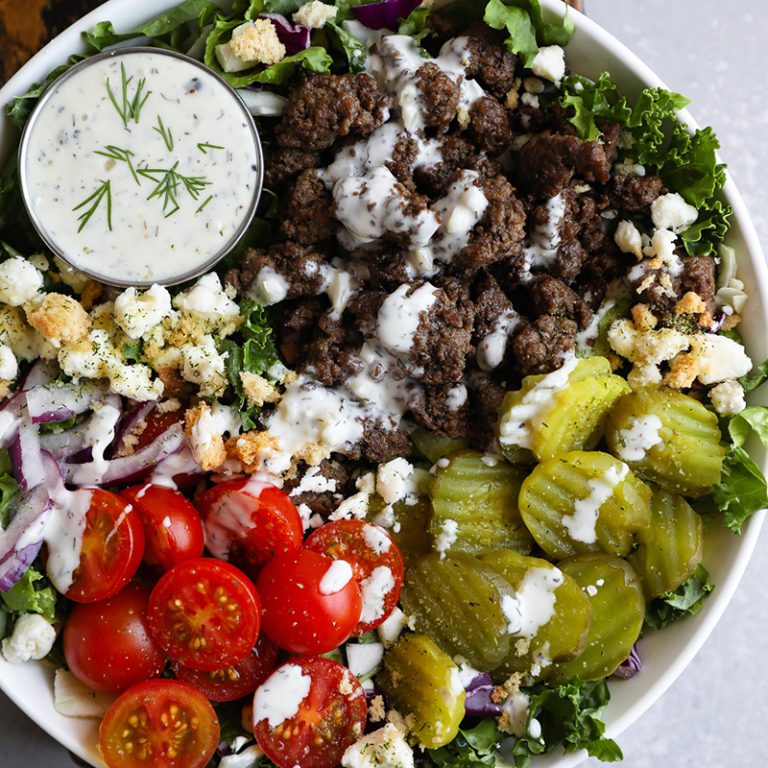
{"points": [[472, 748], [686, 600], [569, 715]]}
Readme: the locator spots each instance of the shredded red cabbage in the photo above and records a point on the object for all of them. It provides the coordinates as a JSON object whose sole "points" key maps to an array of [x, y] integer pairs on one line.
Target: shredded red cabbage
{"points": [[630, 666], [478, 702], [385, 13], [295, 37]]}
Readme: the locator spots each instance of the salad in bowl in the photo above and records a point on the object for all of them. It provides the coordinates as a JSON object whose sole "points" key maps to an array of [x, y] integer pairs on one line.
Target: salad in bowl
{"points": [[408, 474]]}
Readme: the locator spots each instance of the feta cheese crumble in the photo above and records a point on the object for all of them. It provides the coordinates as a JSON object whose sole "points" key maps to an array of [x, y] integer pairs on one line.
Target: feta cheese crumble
{"points": [[32, 639]]}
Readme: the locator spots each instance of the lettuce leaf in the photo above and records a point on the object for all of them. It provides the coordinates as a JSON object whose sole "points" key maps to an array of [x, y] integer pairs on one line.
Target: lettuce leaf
{"points": [[8, 488], [526, 27], [472, 748], [349, 45], [198, 12], [33, 593], [569, 715], [741, 491], [592, 101], [255, 353], [754, 380], [686, 600]]}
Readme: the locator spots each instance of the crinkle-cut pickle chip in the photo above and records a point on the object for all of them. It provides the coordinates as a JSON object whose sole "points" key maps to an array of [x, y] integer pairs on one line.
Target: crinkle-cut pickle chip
{"points": [[688, 459], [618, 611], [584, 501], [561, 419], [481, 497], [410, 529], [433, 447], [563, 637], [671, 548], [457, 602], [423, 684]]}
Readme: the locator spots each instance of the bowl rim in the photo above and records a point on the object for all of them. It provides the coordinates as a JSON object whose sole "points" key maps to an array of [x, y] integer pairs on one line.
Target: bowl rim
{"points": [[69, 42]]}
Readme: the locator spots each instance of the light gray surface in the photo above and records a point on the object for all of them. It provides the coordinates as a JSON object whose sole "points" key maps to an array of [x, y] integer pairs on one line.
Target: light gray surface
{"points": [[714, 53]]}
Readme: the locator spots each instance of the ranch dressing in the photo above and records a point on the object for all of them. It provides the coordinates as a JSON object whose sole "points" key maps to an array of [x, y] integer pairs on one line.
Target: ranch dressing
{"points": [[147, 195]]}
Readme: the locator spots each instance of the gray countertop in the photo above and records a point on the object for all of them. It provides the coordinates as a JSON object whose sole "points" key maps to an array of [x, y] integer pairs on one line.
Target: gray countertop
{"points": [[714, 715]]}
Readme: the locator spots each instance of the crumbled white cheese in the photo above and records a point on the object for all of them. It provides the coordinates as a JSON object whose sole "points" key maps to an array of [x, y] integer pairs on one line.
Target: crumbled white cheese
{"points": [[662, 246], [203, 365], [278, 698], [644, 375], [719, 358], [629, 239], [32, 639], [255, 42], [383, 748], [137, 313], [377, 538], [671, 212], [391, 628], [250, 757], [315, 14], [647, 347], [395, 481], [207, 299], [357, 504], [727, 398], [20, 282], [269, 287], [444, 540], [549, 63], [9, 367], [313, 482]]}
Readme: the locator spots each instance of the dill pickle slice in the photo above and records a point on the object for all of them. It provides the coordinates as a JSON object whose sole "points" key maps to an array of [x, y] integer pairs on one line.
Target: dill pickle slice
{"points": [[618, 610], [433, 447], [577, 418], [562, 637], [688, 457], [671, 548], [480, 496], [423, 684], [538, 402], [408, 526], [584, 501], [457, 602]]}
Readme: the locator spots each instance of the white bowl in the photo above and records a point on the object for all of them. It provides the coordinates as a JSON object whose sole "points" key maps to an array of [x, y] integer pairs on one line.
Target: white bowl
{"points": [[665, 654]]}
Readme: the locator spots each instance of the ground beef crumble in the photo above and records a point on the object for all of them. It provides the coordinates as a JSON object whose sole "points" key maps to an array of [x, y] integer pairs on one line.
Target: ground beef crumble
{"points": [[502, 282]]}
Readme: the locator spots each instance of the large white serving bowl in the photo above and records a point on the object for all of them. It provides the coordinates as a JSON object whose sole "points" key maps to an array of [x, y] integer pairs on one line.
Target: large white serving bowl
{"points": [[665, 654]]}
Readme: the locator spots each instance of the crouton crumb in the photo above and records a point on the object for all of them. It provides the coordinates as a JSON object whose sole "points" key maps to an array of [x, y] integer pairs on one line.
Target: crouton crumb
{"points": [[690, 304], [59, 318], [207, 447], [258, 390]]}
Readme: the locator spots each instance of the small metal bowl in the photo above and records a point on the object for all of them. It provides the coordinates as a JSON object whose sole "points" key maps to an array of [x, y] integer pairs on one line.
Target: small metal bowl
{"points": [[38, 219]]}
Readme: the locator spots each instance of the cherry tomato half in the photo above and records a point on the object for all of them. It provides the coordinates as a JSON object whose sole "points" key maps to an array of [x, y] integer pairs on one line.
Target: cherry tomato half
{"points": [[173, 531], [248, 522], [113, 544], [107, 644], [205, 614], [330, 717], [232, 683], [375, 560], [299, 616], [159, 724]]}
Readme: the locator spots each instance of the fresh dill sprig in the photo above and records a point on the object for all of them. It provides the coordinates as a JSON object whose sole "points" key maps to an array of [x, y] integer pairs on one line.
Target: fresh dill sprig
{"points": [[205, 202], [122, 155], [204, 146], [167, 183], [128, 108], [165, 133], [104, 191]]}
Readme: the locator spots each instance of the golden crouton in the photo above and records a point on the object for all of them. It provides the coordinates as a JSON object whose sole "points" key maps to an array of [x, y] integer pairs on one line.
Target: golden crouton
{"points": [[258, 390], [683, 371], [644, 319], [60, 319], [207, 447], [690, 304], [251, 449]]}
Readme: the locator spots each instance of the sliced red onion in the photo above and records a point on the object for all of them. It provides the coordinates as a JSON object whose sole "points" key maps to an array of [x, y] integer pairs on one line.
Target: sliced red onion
{"points": [[384, 14], [128, 468], [130, 420], [26, 460], [630, 666], [478, 702], [67, 443], [17, 565], [59, 402], [30, 514], [41, 373], [295, 37]]}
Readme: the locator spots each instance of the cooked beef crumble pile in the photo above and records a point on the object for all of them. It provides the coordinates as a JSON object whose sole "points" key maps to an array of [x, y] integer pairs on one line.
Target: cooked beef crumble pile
{"points": [[441, 235]]}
